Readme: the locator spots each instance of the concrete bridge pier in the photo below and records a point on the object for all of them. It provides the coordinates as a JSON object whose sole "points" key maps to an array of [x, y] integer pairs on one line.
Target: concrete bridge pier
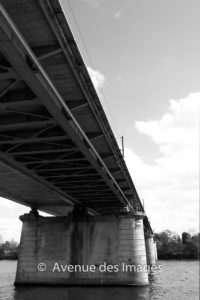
{"points": [[155, 251], [98, 250], [150, 249]]}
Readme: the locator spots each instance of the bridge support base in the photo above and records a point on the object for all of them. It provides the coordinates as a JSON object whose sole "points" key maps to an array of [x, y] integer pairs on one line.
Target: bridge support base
{"points": [[100, 250], [155, 251], [151, 249]]}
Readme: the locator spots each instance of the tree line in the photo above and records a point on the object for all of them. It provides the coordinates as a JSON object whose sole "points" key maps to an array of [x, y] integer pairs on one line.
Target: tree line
{"points": [[171, 246], [9, 250]]}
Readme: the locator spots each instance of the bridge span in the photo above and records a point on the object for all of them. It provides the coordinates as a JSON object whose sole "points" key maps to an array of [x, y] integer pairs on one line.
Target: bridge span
{"points": [[57, 149]]}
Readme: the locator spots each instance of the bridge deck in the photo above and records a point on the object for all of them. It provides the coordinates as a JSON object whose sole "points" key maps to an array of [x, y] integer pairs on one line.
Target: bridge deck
{"points": [[56, 145]]}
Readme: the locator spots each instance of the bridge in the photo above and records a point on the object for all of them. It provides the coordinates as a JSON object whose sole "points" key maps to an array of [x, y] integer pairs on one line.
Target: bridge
{"points": [[57, 149]]}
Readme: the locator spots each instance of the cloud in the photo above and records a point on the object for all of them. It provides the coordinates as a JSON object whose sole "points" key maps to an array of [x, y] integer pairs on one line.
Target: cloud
{"points": [[119, 13], [6, 203], [98, 79], [93, 3], [10, 225], [170, 185], [121, 81], [10, 229]]}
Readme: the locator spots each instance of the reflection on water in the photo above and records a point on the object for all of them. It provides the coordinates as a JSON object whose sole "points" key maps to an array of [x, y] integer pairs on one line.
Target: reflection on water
{"points": [[179, 280], [88, 293]]}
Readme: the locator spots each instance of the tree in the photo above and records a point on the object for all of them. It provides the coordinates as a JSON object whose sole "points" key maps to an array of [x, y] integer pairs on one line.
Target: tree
{"points": [[185, 237], [9, 249], [170, 245]]}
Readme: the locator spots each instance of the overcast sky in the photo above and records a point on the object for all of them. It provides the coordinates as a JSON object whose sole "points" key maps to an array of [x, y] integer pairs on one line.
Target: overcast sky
{"points": [[145, 58]]}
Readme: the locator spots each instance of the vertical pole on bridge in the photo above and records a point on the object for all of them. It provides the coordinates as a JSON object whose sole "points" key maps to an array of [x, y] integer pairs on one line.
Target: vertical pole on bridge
{"points": [[122, 139]]}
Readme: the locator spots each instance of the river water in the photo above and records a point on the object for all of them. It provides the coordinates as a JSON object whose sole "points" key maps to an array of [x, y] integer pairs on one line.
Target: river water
{"points": [[179, 280]]}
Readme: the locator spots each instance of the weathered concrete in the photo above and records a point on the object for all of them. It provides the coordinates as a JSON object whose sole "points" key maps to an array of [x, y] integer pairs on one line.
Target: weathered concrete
{"points": [[150, 249], [117, 241], [155, 251]]}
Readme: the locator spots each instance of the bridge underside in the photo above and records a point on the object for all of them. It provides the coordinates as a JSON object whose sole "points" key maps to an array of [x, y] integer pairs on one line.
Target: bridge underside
{"points": [[56, 146]]}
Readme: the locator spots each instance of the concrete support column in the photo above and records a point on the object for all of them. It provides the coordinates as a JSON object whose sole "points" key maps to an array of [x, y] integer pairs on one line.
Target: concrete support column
{"points": [[155, 251], [113, 245], [26, 266], [132, 247], [150, 249]]}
